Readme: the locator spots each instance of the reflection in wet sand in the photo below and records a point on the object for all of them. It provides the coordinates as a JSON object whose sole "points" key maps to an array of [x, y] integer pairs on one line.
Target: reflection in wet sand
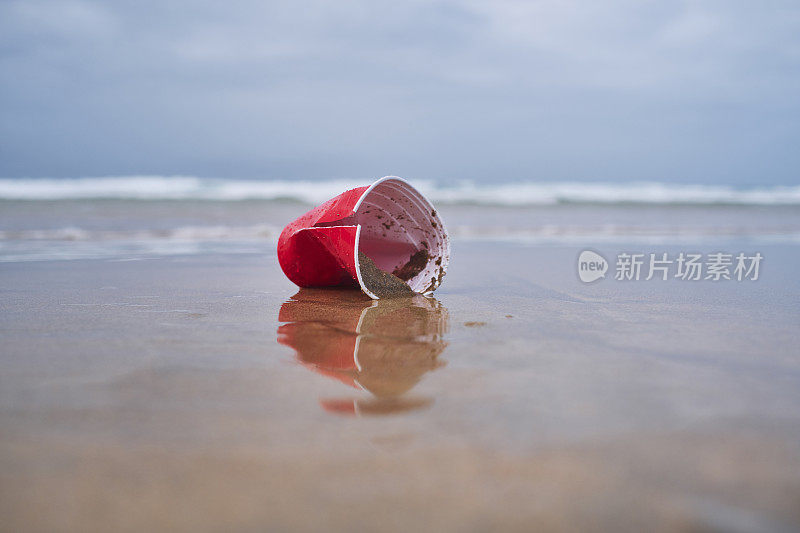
{"points": [[381, 346]]}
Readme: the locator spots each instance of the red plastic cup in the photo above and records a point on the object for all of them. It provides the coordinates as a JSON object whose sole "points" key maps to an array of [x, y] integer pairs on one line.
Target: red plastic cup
{"points": [[389, 221]]}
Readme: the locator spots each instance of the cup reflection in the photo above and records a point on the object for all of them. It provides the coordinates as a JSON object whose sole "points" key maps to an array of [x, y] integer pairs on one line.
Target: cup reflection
{"points": [[381, 346]]}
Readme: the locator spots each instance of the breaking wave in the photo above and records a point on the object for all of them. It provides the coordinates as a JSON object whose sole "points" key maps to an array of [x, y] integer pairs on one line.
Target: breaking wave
{"points": [[551, 233], [155, 188]]}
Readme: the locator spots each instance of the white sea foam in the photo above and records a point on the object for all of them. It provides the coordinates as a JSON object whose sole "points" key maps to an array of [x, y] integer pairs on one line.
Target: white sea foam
{"points": [[265, 233], [255, 232], [314, 192]]}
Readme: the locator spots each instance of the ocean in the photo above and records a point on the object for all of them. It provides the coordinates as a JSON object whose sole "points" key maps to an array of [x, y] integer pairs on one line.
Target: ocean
{"points": [[142, 216], [157, 367]]}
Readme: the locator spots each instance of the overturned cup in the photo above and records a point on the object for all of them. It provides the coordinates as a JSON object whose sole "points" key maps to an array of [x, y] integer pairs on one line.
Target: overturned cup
{"points": [[385, 238]]}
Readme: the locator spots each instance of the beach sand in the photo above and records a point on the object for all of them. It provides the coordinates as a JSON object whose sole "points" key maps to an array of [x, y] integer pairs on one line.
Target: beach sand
{"points": [[206, 393]]}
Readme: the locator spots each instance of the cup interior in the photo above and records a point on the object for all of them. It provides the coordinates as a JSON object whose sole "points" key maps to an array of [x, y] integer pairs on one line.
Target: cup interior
{"points": [[403, 234]]}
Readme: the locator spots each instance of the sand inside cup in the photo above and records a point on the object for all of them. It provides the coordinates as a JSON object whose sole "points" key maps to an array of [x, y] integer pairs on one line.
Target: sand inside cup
{"points": [[416, 264], [381, 284]]}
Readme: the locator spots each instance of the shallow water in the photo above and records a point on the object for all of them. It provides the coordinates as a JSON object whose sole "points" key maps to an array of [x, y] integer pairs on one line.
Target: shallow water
{"points": [[129, 229], [205, 392]]}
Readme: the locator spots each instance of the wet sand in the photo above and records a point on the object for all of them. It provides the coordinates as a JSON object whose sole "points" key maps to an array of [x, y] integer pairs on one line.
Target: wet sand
{"points": [[206, 393]]}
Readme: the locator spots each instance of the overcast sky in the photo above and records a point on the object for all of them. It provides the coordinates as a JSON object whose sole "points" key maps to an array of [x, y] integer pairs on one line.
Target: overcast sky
{"points": [[545, 90]]}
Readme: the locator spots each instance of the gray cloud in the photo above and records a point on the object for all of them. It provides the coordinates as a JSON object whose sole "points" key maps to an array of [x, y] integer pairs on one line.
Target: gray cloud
{"points": [[630, 90]]}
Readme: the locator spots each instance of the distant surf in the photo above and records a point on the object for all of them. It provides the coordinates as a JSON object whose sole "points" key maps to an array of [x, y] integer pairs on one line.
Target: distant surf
{"points": [[154, 188]]}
